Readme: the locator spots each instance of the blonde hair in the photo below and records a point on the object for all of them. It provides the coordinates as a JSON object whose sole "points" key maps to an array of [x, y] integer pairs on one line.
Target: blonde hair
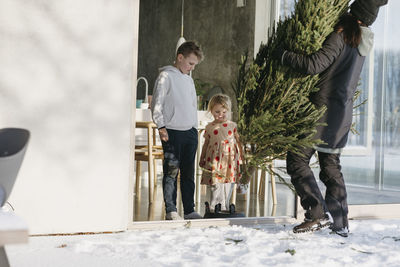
{"points": [[221, 99]]}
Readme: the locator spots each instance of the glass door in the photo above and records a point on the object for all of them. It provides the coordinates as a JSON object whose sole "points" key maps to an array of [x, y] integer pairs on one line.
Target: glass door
{"points": [[373, 177]]}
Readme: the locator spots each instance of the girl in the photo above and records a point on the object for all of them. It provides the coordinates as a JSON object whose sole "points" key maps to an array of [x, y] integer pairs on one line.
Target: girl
{"points": [[221, 153]]}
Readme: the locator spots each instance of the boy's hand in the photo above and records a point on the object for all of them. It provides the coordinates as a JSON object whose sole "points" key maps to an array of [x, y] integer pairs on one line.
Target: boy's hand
{"points": [[163, 134]]}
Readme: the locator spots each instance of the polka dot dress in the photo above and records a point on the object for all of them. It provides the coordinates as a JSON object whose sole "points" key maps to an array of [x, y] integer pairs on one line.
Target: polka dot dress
{"points": [[222, 154]]}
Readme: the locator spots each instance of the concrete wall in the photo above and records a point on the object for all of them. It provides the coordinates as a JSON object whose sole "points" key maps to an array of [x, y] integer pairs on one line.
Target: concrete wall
{"points": [[66, 75], [223, 30]]}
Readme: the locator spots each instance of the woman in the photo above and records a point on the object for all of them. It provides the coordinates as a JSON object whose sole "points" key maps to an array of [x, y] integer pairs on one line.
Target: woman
{"points": [[338, 63]]}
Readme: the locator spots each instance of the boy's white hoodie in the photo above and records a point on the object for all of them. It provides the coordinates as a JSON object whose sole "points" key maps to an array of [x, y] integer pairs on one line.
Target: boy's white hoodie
{"points": [[174, 102]]}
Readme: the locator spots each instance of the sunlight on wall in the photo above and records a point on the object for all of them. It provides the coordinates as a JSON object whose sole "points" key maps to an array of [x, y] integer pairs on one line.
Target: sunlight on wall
{"points": [[65, 74]]}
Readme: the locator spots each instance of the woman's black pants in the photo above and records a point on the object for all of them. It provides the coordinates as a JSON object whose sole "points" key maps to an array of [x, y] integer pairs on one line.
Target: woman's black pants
{"points": [[298, 167]]}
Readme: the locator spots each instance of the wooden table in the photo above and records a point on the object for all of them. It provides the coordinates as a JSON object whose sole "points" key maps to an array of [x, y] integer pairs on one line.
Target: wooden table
{"points": [[147, 153], [151, 130]]}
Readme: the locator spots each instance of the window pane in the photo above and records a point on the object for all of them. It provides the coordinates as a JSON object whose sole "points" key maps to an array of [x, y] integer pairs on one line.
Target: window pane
{"points": [[377, 173], [286, 8], [391, 114]]}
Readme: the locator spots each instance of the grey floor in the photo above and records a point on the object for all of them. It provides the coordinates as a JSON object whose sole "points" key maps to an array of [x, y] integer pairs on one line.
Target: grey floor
{"points": [[255, 205], [252, 206]]}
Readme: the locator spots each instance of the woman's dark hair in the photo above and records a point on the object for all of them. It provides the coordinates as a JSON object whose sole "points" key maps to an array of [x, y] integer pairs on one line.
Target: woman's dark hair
{"points": [[350, 28]]}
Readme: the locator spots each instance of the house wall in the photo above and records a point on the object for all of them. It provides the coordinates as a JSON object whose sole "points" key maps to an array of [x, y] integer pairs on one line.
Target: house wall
{"points": [[223, 30], [66, 74]]}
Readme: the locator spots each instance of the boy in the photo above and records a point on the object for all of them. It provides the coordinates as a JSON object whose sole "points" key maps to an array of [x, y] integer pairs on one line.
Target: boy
{"points": [[174, 111]]}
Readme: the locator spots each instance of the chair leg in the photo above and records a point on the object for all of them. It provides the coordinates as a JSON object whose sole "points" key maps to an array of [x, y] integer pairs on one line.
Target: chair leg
{"points": [[261, 191], [255, 182], [273, 186], [273, 190], [151, 180], [137, 189], [233, 197]]}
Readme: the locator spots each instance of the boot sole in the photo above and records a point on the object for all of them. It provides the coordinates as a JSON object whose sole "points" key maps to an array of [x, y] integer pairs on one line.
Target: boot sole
{"points": [[313, 229]]}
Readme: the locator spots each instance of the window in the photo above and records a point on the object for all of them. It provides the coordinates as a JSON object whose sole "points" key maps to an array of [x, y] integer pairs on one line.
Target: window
{"points": [[378, 169]]}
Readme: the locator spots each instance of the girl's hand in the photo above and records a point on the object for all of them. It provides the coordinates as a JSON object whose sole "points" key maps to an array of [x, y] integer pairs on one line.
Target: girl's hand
{"points": [[202, 163]]}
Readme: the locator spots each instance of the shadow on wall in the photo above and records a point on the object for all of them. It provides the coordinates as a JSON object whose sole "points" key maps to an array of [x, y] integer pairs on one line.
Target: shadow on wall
{"points": [[77, 85]]}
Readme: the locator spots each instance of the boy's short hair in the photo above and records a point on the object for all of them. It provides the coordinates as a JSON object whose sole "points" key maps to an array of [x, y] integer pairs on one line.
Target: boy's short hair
{"points": [[190, 47]]}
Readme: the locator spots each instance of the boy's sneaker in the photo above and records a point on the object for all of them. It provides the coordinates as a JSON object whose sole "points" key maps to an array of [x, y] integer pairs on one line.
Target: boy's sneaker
{"points": [[344, 232], [173, 215], [312, 225], [192, 216]]}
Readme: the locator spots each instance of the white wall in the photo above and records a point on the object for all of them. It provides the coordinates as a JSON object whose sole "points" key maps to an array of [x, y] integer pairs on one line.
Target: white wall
{"points": [[267, 13], [66, 71]]}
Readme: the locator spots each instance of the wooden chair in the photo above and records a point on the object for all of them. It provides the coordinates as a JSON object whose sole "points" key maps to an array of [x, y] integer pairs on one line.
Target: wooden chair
{"points": [[150, 153], [259, 185], [263, 188]]}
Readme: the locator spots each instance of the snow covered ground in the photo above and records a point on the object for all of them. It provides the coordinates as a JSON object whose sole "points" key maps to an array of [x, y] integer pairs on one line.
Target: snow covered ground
{"points": [[371, 243]]}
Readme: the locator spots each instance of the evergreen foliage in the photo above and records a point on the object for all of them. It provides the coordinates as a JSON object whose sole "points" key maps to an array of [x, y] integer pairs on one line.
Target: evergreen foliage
{"points": [[275, 114]]}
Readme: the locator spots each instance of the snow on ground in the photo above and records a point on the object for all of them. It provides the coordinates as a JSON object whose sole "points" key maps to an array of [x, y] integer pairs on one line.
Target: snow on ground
{"points": [[370, 243]]}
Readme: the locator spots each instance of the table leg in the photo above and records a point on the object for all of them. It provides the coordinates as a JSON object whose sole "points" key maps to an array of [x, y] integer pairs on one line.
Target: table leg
{"points": [[273, 190], [137, 189], [155, 172], [150, 163], [198, 172], [273, 186]]}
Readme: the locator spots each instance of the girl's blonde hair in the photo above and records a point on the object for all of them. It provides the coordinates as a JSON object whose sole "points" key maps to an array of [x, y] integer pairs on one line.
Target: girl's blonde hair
{"points": [[221, 99]]}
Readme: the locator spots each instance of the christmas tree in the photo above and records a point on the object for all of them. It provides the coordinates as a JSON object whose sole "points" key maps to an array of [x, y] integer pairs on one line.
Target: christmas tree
{"points": [[275, 114]]}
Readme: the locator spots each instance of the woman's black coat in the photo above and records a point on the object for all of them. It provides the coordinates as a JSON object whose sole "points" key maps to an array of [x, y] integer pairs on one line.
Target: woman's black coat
{"points": [[339, 68]]}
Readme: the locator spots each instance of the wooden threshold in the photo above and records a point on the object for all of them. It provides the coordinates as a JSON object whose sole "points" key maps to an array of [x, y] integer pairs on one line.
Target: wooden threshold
{"points": [[203, 223]]}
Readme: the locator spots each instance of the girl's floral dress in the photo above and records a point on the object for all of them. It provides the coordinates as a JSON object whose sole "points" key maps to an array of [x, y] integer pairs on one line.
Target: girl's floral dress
{"points": [[222, 158]]}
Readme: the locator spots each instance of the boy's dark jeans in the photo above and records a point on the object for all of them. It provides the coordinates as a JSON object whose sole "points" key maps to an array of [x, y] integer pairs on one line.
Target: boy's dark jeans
{"points": [[179, 155], [306, 186]]}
